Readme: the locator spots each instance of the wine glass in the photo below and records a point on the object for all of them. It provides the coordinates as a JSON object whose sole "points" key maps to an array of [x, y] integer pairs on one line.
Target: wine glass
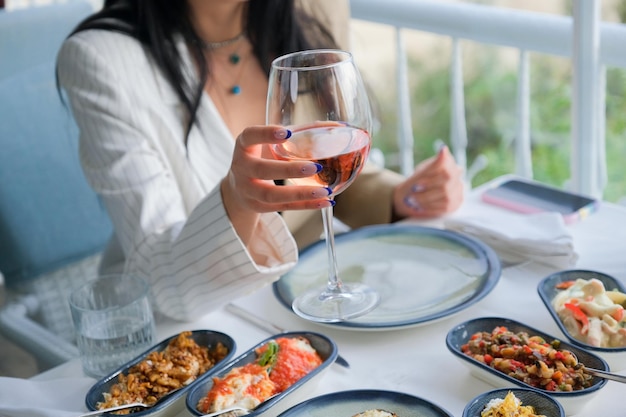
{"points": [[319, 95]]}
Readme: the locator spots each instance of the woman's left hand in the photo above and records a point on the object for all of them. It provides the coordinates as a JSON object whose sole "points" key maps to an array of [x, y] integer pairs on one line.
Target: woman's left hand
{"points": [[435, 188]]}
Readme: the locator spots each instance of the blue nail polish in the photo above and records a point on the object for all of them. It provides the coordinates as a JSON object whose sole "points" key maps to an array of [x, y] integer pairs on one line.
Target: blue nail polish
{"points": [[416, 188], [318, 193], [311, 168], [332, 203], [282, 134], [411, 202]]}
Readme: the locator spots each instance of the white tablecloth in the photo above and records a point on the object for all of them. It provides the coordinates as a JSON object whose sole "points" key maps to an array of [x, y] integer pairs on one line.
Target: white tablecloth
{"points": [[416, 360]]}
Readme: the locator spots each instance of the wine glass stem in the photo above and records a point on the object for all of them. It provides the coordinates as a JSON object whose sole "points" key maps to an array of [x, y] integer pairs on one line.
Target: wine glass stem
{"points": [[334, 283]]}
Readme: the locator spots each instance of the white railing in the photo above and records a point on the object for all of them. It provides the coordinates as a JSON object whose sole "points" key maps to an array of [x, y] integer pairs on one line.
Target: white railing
{"points": [[591, 44]]}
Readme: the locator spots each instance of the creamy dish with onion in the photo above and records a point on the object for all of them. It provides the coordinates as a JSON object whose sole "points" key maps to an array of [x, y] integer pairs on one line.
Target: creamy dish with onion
{"points": [[590, 313], [509, 406], [280, 363]]}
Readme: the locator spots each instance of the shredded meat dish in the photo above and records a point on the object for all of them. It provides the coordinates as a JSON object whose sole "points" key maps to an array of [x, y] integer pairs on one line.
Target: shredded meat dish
{"points": [[162, 372]]}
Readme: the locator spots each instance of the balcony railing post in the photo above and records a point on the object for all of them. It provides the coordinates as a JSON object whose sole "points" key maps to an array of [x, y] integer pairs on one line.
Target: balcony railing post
{"points": [[603, 176], [585, 101], [523, 145], [405, 127], [458, 125]]}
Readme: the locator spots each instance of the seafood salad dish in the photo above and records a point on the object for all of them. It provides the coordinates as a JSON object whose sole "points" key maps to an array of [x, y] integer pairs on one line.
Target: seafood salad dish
{"points": [[590, 313]]}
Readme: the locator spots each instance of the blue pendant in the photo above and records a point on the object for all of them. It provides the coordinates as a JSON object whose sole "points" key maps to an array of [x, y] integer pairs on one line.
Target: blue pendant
{"points": [[234, 58], [236, 89]]}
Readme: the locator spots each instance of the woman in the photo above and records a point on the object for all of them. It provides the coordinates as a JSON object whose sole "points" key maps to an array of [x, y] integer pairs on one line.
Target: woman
{"points": [[170, 98]]}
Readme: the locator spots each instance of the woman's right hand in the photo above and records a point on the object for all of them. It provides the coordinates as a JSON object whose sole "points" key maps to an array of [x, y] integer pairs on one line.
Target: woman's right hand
{"points": [[249, 189]]}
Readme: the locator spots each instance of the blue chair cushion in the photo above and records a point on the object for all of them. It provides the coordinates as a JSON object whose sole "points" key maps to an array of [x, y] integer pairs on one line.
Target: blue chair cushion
{"points": [[32, 36], [49, 216]]}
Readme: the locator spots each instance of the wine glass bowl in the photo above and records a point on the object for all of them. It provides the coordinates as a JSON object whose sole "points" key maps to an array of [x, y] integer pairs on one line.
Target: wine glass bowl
{"points": [[340, 149], [320, 96]]}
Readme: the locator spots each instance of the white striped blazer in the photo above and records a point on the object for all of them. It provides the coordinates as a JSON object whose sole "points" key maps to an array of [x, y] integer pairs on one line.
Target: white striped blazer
{"points": [[164, 200]]}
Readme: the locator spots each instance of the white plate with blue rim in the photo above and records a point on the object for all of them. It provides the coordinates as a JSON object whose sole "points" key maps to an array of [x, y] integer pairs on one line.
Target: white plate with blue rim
{"points": [[422, 274]]}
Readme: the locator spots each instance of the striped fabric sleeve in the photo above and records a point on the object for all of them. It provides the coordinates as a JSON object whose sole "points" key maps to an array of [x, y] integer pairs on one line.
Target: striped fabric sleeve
{"points": [[206, 265], [183, 242]]}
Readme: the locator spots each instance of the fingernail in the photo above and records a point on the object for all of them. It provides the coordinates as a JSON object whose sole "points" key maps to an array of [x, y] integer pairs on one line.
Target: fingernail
{"points": [[412, 203], [282, 134], [416, 188], [331, 203], [312, 168], [322, 192]]}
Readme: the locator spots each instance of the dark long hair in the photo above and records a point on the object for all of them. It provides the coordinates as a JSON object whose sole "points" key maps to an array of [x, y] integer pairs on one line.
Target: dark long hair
{"points": [[274, 27]]}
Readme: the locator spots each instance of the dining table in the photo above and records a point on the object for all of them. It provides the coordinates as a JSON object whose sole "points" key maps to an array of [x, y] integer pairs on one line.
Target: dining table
{"points": [[414, 359]]}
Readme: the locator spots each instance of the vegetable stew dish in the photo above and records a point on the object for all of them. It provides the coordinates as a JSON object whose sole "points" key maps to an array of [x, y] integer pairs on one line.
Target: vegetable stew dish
{"points": [[503, 352]]}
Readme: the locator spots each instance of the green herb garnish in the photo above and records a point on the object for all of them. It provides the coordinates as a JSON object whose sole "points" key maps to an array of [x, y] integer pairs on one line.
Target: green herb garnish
{"points": [[268, 358]]}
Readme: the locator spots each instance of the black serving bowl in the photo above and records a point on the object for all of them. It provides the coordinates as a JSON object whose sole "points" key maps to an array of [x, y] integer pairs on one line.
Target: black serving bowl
{"points": [[543, 404], [615, 356], [174, 403], [571, 401], [325, 347]]}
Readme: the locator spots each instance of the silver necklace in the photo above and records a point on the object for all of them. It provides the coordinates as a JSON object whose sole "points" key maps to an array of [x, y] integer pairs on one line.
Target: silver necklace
{"points": [[217, 45]]}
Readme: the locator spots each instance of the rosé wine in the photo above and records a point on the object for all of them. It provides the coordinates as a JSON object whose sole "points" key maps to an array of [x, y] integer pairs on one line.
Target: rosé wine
{"points": [[341, 150]]}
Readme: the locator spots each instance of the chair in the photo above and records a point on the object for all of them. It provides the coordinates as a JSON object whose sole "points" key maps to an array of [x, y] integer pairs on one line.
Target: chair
{"points": [[52, 225]]}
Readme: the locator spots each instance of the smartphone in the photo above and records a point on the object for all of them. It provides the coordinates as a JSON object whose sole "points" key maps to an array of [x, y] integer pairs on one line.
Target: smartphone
{"points": [[533, 197]]}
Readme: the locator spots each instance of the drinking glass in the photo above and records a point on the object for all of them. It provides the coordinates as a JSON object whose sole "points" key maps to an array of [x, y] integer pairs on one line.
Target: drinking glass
{"points": [[113, 321], [320, 96]]}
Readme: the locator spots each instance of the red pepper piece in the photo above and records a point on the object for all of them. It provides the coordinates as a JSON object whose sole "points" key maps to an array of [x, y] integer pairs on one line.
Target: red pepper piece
{"points": [[579, 315], [564, 285]]}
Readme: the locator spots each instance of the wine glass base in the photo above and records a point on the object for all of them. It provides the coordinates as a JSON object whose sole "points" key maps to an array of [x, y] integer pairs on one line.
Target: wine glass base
{"points": [[324, 306]]}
